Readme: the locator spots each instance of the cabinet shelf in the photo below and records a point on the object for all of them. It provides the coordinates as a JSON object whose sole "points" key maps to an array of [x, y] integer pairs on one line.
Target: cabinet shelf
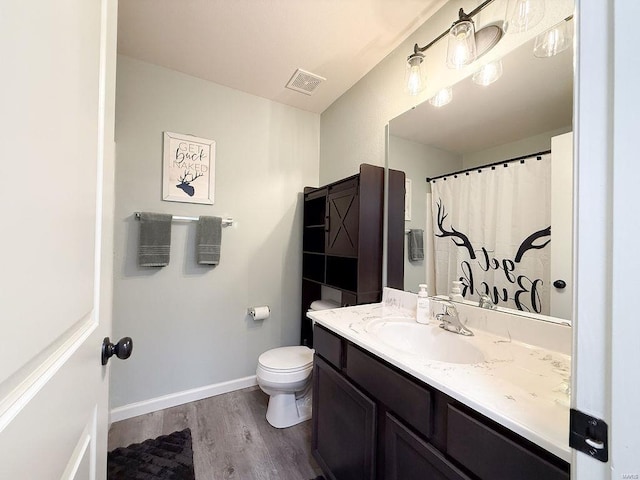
{"points": [[343, 256], [313, 240], [342, 272], [352, 292], [313, 267], [342, 241], [315, 208]]}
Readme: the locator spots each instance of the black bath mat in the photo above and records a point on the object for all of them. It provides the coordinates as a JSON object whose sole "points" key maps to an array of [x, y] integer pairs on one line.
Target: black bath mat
{"points": [[169, 457]]}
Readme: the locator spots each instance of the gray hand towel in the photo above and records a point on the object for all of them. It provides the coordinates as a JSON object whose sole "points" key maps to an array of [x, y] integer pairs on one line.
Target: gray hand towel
{"points": [[208, 240], [416, 248], [155, 239]]}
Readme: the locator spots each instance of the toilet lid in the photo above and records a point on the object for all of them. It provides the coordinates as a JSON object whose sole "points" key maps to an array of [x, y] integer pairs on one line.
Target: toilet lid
{"points": [[287, 359]]}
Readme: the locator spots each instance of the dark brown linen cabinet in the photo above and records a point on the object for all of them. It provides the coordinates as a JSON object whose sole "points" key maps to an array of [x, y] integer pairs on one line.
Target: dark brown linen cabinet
{"points": [[342, 241]]}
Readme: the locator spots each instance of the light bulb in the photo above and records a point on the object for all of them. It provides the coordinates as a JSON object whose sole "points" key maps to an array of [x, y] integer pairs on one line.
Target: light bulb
{"points": [[488, 74], [555, 40], [415, 79], [441, 98], [523, 15], [462, 44]]}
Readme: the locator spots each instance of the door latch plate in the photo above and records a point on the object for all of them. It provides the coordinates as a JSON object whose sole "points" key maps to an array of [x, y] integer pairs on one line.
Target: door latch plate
{"points": [[589, 435]]}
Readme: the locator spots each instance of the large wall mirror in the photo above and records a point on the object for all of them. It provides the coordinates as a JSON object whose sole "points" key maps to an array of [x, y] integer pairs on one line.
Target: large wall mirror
{"points": [[507, 129]]}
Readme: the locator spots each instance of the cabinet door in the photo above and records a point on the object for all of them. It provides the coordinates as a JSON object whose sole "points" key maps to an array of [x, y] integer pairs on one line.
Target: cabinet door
{"points": [[490, 455], [408, 457], [342, 223], [343, 440]]}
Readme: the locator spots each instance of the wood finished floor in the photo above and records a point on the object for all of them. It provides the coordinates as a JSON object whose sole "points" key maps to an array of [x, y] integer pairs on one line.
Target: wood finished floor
{"points": [[231, 438]]}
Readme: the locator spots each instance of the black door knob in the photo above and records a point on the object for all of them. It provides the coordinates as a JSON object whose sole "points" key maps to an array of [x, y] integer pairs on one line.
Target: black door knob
{"points": [[122, 349], [560, 284]]}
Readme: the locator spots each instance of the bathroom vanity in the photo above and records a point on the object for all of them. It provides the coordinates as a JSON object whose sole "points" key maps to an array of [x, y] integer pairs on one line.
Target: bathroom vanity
{"points": [[384, 407]]}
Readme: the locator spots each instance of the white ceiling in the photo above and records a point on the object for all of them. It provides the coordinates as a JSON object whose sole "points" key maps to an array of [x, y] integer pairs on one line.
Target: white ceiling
{"points": [[256, 45], [533, 96]]}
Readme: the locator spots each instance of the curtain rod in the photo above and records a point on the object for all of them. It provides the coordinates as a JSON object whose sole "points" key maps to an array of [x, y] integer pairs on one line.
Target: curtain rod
{"points": [[495, 164]]}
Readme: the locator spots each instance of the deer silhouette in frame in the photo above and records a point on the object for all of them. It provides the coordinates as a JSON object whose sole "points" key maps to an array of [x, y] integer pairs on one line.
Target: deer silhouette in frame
{"points": [[185, 185]]}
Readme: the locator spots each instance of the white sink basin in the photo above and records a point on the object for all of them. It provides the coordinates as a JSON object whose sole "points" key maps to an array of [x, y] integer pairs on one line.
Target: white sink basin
{"points": [[428, 341]]}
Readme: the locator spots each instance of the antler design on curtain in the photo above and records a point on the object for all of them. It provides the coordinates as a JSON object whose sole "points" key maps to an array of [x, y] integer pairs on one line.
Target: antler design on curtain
{"points": [[527, 243], [463, 239]]}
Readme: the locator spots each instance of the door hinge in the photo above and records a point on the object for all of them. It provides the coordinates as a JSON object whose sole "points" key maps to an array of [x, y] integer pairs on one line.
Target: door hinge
{"points": [[589, 435]]}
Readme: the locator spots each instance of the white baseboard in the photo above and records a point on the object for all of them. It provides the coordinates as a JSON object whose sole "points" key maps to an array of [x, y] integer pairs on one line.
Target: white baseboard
{"points": [[179, 398]]}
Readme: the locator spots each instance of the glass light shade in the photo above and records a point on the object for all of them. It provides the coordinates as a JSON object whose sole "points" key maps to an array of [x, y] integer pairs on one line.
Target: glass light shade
{"points": [[415, 76], [523, 14], [441, 98], [488, 74], [462, 44], [555, 40]]}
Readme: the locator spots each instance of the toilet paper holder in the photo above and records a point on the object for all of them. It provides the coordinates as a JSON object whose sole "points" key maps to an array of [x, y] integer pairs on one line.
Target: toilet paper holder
{"points": [[259, 313]]}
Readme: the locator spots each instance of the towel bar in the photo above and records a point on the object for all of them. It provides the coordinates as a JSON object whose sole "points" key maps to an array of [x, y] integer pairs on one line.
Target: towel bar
{"points": [[226, 222]]}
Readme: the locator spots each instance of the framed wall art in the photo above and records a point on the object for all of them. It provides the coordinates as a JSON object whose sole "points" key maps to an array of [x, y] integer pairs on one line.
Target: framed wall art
{"points": [[188, 169]]}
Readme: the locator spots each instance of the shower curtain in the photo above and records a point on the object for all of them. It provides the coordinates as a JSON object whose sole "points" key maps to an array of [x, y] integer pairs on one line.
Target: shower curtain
{"points": [[491, 230]]}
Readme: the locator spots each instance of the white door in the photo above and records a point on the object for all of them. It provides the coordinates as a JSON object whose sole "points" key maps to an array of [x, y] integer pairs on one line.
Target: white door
{"points": [[606, 352], [561, 297], [56, 131]]}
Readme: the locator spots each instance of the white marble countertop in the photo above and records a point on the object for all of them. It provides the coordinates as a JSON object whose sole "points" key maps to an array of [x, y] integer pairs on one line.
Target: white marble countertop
{"points": [[522, 387]]}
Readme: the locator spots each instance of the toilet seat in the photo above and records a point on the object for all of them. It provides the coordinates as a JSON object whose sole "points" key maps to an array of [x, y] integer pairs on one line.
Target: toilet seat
{"points": [[284, 371], [286, 360]]}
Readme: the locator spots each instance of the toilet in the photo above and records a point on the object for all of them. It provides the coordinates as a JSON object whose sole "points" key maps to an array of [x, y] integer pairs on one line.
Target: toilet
{"points": [[285, 375]]}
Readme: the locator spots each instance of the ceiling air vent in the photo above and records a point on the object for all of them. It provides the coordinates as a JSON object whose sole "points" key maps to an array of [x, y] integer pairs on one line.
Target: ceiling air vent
{"points": [[304, 82]]}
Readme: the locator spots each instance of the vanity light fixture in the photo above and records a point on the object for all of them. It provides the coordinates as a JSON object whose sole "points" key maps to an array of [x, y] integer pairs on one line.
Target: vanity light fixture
{"points": [[465, 45], [415, 76], [462, 42], [555, 40], [441, 98], [488, 74], [522, 15]]}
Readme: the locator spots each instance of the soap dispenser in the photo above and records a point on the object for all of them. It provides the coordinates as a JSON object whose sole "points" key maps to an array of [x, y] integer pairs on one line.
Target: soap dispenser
{"points": [[422, 309], [456, 292]]}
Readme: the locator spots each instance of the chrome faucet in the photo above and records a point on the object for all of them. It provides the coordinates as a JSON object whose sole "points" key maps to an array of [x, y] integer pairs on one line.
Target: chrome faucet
{"points": [[451, 321], [485, 302]]}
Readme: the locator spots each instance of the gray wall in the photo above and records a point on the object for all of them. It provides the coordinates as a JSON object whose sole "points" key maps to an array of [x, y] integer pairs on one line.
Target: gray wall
{"points": [[188, 322], [353, 127], [534, 144], [418, 161]]}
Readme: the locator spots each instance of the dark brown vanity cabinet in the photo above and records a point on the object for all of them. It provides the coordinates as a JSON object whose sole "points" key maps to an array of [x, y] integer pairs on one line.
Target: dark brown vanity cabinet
{"points": [[373, 421], [409, 457], [344, 435], [342, 241]]}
